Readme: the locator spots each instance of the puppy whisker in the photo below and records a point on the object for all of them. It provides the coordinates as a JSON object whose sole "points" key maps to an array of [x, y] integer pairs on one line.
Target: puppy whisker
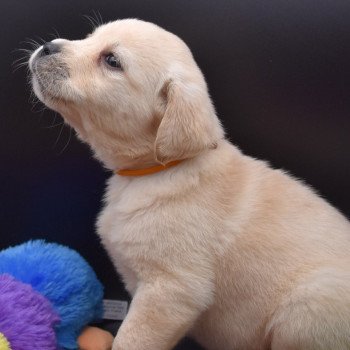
{"points": [[59, 136], [26, 51], [19, 60], [18, 65], [41, 109], [23, 60], [55, 35], [43, 41], [67, 143], [53, 126], [98, 17], [91, 21], [31, 42], [95, 20]]}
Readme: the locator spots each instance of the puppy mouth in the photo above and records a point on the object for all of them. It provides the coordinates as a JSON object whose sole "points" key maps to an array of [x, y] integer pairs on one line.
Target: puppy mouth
{"points": [[49, 74]]}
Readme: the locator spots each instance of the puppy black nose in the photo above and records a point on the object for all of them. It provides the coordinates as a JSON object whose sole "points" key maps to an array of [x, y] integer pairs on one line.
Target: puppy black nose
{"points": [[50, 48]]}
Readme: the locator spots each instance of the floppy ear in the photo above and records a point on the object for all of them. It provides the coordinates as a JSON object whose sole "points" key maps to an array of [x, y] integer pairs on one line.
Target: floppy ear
{"points": [[189, 124]]}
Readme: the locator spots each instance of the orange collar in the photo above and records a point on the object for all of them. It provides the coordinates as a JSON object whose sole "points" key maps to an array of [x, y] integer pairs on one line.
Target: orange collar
{"points": [[147, 171]]}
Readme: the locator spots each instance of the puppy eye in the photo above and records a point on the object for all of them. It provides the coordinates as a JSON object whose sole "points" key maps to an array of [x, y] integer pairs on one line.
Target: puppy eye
{"points": [[113, 61]]}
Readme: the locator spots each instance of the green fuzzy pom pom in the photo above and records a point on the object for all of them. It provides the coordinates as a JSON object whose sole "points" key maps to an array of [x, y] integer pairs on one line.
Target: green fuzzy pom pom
{"points": [[4, 344]]}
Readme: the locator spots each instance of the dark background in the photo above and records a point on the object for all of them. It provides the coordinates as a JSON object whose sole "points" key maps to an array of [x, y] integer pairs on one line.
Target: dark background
{"points": [[278, 72]]}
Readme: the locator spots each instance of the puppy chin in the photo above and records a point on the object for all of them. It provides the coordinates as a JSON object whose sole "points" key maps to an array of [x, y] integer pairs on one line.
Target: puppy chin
{"points": [[56, 96], [46, 99], [37, 89]]}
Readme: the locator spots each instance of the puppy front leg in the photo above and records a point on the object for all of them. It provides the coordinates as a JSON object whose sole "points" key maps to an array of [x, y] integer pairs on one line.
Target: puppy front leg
{"points": [[160, 314]]}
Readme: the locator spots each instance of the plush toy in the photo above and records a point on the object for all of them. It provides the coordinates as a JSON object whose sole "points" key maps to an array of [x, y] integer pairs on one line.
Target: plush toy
{"points": [[27, 318], [93, 338], [63, 277]]}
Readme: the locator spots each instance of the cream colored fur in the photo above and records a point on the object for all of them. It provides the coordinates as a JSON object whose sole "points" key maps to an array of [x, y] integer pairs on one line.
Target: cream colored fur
{"points": [[220, 247]]}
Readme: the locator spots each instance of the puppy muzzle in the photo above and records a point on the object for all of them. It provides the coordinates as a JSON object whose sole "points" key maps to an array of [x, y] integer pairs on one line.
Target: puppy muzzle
{"points": [[48, 68]]}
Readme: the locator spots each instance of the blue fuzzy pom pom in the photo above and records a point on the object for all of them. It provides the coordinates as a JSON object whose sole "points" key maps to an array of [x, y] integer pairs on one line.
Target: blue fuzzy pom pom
{"points": [[64, 278]]}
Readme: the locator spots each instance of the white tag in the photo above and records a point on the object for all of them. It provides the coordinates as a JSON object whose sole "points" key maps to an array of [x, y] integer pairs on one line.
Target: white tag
{"points": [[115, 309]]}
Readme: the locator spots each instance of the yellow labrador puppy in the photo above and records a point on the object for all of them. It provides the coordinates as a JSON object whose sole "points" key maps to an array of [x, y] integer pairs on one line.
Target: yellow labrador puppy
{"points": [[209, 242]]}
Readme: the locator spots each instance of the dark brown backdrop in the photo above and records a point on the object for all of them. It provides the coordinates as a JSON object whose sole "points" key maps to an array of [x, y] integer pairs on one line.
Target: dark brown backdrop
{"points": [[278, 72]]}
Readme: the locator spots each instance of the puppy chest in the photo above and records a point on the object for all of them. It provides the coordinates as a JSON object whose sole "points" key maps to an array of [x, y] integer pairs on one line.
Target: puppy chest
{"points": [[158, 233]]}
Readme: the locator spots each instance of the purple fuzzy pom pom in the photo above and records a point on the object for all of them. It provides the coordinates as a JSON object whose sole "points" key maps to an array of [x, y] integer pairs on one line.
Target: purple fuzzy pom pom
{"points": [[27, 319]]}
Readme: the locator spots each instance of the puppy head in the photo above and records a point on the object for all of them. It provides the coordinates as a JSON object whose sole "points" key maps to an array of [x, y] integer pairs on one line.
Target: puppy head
{"points": [[131, 90]]}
